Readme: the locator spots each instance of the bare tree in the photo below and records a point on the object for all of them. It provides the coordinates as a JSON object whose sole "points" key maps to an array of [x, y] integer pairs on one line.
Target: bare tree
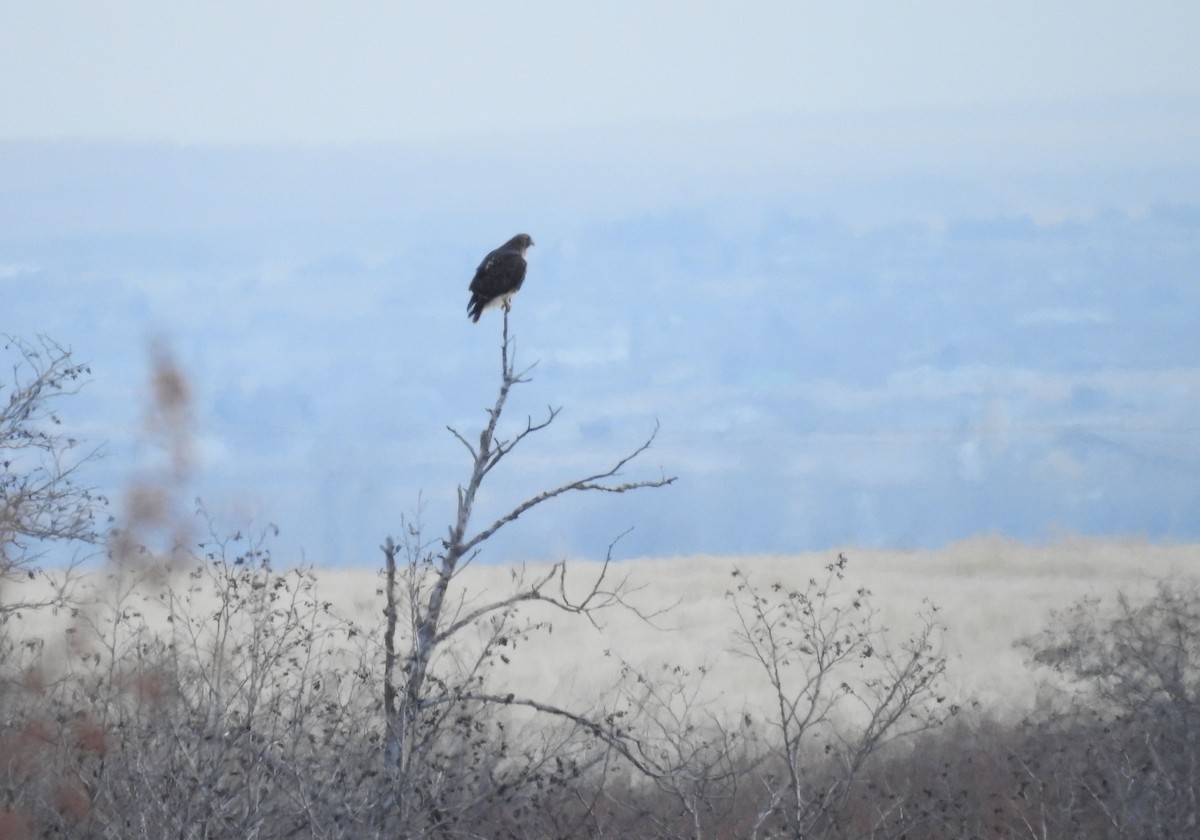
{"points": [[423, 621], [841, 690], [42, 500]]}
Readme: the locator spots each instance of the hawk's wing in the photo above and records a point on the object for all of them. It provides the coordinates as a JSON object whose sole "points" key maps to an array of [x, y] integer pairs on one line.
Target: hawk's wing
{"points": [[501, 272]]}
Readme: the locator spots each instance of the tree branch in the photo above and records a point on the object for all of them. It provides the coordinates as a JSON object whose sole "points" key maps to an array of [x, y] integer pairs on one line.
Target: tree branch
{"points": [[591, 482]]}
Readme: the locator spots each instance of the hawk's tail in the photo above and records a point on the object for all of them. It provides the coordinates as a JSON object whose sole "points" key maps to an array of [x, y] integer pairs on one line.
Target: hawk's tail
{"points": [[475, 308]]}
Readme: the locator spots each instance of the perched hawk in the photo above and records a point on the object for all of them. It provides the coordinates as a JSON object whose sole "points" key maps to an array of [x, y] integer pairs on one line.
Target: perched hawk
{"points": [[499, 276]]}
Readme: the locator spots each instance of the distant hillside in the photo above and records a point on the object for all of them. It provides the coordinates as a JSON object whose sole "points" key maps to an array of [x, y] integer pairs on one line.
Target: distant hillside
{"points": [[903, 359]]}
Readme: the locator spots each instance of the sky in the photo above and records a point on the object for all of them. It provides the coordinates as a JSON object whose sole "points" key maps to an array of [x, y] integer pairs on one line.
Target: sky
{"points": [[884, 274], [311, 73]]}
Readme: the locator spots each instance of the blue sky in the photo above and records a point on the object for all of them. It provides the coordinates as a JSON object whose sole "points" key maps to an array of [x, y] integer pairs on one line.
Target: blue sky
{"points": [[886, 274]]}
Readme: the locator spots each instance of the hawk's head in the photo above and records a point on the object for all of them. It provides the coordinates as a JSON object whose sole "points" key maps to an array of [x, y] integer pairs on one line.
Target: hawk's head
{"points": [[519, 242]]}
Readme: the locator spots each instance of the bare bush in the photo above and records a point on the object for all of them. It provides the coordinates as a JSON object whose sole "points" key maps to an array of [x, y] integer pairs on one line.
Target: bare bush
{"points": [[194, 695], [842, 689], [1129, 763], [43, 501], [703, 753], [1110, 752]]}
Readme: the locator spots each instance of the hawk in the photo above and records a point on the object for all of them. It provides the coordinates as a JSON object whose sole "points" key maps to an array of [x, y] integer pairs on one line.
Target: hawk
{"points": [[499, 276]]}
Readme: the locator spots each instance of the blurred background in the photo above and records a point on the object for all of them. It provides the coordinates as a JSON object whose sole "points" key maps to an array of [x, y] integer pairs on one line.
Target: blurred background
{"points": [[888, 276]]}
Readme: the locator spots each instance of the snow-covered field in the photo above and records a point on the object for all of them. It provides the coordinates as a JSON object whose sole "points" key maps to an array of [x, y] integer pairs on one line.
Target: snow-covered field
{"points": [[990, 592]]}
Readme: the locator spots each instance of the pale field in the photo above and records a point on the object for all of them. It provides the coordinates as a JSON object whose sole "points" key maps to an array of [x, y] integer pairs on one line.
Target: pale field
{"points": [[990, 592]]}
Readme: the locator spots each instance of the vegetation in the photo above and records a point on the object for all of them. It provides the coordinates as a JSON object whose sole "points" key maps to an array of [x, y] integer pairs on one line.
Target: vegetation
{"points": [[41, 498], [200, 690]]}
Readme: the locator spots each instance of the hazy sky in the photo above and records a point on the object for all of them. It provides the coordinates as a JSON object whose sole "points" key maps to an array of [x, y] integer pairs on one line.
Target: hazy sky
{"points": [[840, 245], [303, 72]]}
